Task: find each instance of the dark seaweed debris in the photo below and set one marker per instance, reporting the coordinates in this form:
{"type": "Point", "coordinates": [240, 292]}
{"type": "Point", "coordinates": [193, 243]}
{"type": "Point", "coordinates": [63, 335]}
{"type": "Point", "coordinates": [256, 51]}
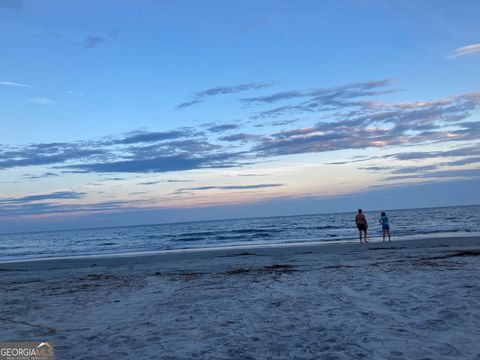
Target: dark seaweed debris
{"type": "Point", "coordinates": [276, 268]}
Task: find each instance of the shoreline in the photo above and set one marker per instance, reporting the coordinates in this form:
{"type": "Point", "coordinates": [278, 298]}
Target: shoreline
{"type": "Point", "coordinates": [264, 249]}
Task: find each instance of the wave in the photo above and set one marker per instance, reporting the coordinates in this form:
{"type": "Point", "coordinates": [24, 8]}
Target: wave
{"type": "Point", "coordinates": [231, 237]}
{"type": "Point", "coordinates": [191, 238]}
{"type": "Point", "coordinates": [199, 233]}
{"type": "Point", "coordinates": [257, 235]}
{"type": "Point", "coordinates": [326, 227]}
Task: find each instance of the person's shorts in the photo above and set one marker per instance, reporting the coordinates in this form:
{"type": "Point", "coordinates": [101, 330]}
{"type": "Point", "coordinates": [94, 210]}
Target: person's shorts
{"type": "Point", "coordinates": [362, 227]}
{"type": "Point", "coordinates": [385, 227]}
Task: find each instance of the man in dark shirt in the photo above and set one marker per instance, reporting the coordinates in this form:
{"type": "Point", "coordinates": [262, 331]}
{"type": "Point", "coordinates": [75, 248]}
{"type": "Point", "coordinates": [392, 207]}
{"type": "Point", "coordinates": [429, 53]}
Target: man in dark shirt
{"type": "Point", "coordinates": [362, 225]}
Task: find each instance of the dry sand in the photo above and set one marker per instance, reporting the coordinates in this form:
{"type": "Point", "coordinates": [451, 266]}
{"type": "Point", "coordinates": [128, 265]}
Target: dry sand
{"type": "Point", "coordinates": [416, 299]}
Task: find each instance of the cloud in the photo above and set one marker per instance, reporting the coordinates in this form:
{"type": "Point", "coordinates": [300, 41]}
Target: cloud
{"type": "Point", "coordinates": [115, 179]}
{"type": "Point", "coordinates": [287, 95]}
{"type": "Point", "coordinates": [277, 123]}
{"type": "Point", "coordinates": [325, 99]}
{"type": "Point", "coordinates": [467, 161]}
{"type": "Point", "coordinates": [165, 164]}
{"type": "Point", "coordinates": [41, 176]}
{"type": "Point", "coordinates": [223, 127]}
{"type": "Point", "coordinates": [401, 169]}
{"type": "Point", "coordinates": [460, 152]}
{"type": "Point", "coordinates": [9, 210]}
{"type": "Point", "coordinates": [189, 103]}
{"type": "Point", "coordinates": [163, 181]}
{"type": "Point", "coordinates": [232, 187]}
{"type": "Point", "coordinates": [252, 175]}
{"type": "Point", "coordinates": [430, 171]}
{"type": "Point", "coordinates": [59, 195]}
{"type": "Point", "coordinates": [184, 149]}
{"type": "Point", "coordinates": [16, 5]}
{"type": "Point", "coordinates": [139, 137]}
{"type": "Point", "coordinates": [397, 124]}
{"type": "Point", "coordinates": [222, 90]}
{"type": "Point", "coordinates": [454, 173]}
{"type": "Point", "coordinates": [465, 50]}
{"type": "Point", "coordinates": [256, 24]}
{"type": "Point", "coordinates": [93, 41]}
{"type": "Point", "coordinates": [142, 150]}
{"type": "Point", "coordinates": [155, 165]}
{"type": "Point", "coordinates": [371, 168]}
{"type": "Point", "coordinates": [15, 84]}
{"type": "Point", "coordinates": [149, 183]}
{"type": "Point", "coordinates": [414, 169]}
{"type": "Point", "coordinates": [136, 152]}
{"type": "Point", "coordinates": [240, 137]}
{"type": "Point", "coordinates": [49, 154]}
{"type": "Point", "coordinates": [41, 101]}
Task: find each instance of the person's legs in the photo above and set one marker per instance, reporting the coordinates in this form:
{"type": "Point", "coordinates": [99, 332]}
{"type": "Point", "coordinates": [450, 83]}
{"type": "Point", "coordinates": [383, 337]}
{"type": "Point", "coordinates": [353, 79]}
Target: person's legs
{"type": "Point", "coordinates": [365, 236]}
{"type": "Point", "coordinates": [388, 232]}
{"type": "Point", "coordinates": [384, 231]}
{"type": "Point", "coordinates": [360, 234]}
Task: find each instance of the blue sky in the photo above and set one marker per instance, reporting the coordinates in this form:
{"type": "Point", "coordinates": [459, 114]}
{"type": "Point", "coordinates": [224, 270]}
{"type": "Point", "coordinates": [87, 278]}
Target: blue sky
{"type": "Point", "coordinates": [152, 111]}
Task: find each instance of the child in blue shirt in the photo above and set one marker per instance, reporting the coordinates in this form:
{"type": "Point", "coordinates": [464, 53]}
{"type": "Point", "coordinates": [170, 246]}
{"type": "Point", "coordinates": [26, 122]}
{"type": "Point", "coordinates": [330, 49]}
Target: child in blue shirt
{"type": "Point", "coordinates": [385, 226]}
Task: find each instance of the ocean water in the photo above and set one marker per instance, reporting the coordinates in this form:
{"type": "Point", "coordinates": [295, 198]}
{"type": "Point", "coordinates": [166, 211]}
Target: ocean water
{"type": "Point", "coordinates": [405, 224]}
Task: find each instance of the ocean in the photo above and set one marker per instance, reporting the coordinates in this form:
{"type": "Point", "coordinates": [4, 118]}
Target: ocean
{"type": "Point", "coordinates": [323, 228]}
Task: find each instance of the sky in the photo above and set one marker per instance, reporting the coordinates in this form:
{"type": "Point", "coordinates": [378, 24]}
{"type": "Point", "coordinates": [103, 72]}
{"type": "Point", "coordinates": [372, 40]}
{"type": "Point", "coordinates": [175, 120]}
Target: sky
{"type": "Point", "coordinates": [141, 111]}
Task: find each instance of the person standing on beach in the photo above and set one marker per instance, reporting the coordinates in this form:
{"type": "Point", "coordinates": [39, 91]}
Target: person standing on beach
{"type": "Point", "coordinates": [385, 226]}
{"type": "Point", "coordinates": [362, 225]}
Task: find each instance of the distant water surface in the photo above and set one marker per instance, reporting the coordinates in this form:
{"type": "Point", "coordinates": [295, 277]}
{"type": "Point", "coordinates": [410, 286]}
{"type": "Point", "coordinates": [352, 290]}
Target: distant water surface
{"type": "Point", "coordinates": [447, 221]}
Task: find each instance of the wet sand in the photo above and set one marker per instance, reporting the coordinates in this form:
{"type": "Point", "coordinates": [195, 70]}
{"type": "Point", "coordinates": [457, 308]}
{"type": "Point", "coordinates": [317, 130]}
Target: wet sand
{"type": "Point", "coordinates": [411, 299]}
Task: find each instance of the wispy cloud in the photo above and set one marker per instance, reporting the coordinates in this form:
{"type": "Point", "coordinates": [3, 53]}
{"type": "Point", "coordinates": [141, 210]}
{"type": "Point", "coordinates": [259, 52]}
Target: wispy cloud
{"type": "Point", "coordinates": [15, 84]}
{"type": "Point", "coordinates": [222, 90]}
{"type": "Point", "coordinates": [93, 41]}
{"type": "Point", "coordinates": [443, 168]}
{"type": "Point", "coordinates": [156, 164]}
{"type": "Point", "coordinates": [40, 176]}
{"type": "Point", "coordinates": [145, 136]}
{"type": "Point", "coordinates": [278, 123]}
{"type": "Point", "coordinates": [114, 179]}
{"type": "Point", "coordinates": [41, 101]}
{"type": "Point", "coordinates": [223, 127]}
{"type": "Point", "coordinates": [50, 154]}
{"type": "Point", "coordinates": [163, 181]}
{"type": "Point", "coordinates": [321, 100]}
{"type": "Point", "coordinates": [54, 208]}
{"type": "Point", "coordinates": [449, 173]}
{"type": "Point", "coordinates": [232, 187]}
{"type": "Point", "coordinates": [241, 137]}
{"type": "Point", "coordinates": [460, 152]}
{"type": "Point", "coordinates": [59, 195]}
{"type": "Point", "coordinates": [178, 181]}
{"type": "Point", "coordinates": [256, 24]}
{"type": "Point", "coordinates": [252, 175]}
{"type": "Point", "coordinates": [149, 183]}
{"type": "Point", "coordinates": [465, 50]}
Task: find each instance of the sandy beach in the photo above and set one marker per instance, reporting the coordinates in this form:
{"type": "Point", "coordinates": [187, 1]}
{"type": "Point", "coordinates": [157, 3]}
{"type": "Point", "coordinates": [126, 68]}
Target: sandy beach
{"type": "Point", "coordinates": [416, 299]}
